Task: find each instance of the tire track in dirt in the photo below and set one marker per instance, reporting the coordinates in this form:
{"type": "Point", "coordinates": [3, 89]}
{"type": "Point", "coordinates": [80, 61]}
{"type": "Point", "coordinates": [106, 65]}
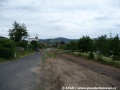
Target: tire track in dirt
{"type": "Point", "coordinates": [67, 71]}
{"type": "Point", "coordinates": [96, 67]}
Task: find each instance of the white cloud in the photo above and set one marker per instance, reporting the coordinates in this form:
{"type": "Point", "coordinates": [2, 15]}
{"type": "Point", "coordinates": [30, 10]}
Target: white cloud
{"type": "Point", "coordinates": [61, 18]}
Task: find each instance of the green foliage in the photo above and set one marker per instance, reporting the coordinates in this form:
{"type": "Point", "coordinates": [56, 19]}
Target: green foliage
{"type": "Point", "coordinates": [48, 54]}
{"type": "Point", "coordinates": [23, 53]}
{"type": "Point", "coordinates": [7, 48]}
{"type": "Point", "coordinates": [40, 45]}
{"type": "Point", "coordinates": [108, 47]}
{"type": "Point", "coordinates": [85, 44]}
{"type": "Point", "coordinates": [65, 47]}
{"type": "Point", "coordinates": [91, 55]}
{"type": "Point", "coordinates": [23, 44]}
{"type": "Point", "coordinates": [102, 45]}
{"type": "Point", "coordinates": [34, 45]}
{"type": "Point", "coordinates": [73, 46]}
{"type": "Point", "coordinates": [115, 48]}
{"type": "Point", "coordinates": [18, 32]}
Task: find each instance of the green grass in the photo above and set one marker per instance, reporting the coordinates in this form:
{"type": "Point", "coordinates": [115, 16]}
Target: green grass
{"type": "Point", "coordinates": [48, 54]}
{"type": "Point", "coordinates": [108, 61]}
{"type": "Point", "coordinates": [104, 60]}
{"type": "Point", "coordinates": [19, 54]}
{"type": "Point", "coordinates": [3, 60]}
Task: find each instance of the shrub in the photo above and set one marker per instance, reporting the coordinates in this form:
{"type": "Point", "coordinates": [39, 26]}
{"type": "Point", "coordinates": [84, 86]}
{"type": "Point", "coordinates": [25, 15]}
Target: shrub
{"type": "Point", "coordinates": [7, 48]}
{"type": "Point", "coordinates": [91, 55]}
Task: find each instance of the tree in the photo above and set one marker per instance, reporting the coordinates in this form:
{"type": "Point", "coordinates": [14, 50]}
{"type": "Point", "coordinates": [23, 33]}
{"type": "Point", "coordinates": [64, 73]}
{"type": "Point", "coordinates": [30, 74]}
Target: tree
{"type": "Point", "coordinates": [85, 44]}
{"type": "Point", "coordinates": [115, 48]}
{"type": "Point", "coordinates": [73, 46]}
{"type": "Point", "coordinates": [40, 45]}
{"type": "Point", "coordinates": [18, 32]}
{"type": "Point", "coordinates": [66, 46]}
{"type": "Point", "coordinates": [7, 48]}
{"type": "Point", "coordinates": [34, 44]}
{"type": "Point", "coordinates": [102, 46]}
{"type": "Point", "coordinates": [23, 43]}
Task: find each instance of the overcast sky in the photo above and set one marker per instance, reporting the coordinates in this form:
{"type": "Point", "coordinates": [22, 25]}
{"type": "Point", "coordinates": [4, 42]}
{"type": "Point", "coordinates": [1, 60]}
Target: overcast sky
{"type": "Point", "coordinates": [61, 18]}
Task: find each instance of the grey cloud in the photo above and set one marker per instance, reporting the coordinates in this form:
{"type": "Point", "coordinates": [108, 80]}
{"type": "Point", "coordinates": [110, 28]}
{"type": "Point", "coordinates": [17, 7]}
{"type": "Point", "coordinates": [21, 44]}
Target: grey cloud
{"type": "Point", "coordinates": [117, 25]}
{"type": "Point", "coordinates": [102, 18]}
{"type": "Point", "coordinates": [115, 3]}
{"type": "Point", "coordinates": [54, 21]}
{"type": "Point", "coordinates": [26, 8]}
{"type": "Point", "coordinates": [3, 1]}
{"type": "Point", "coordinates": [68, 18]}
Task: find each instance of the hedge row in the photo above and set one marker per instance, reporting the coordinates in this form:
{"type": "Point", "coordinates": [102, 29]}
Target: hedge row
{"type": "Point", "coordinates": [7, 48]}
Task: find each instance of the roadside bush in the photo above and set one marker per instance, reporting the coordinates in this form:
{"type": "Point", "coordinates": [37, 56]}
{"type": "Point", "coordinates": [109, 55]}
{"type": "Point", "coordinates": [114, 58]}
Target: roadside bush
{"type": "Point", "coordinates": [6, 53]}
{"type": "Point", "coordinates": [91, 55]}
{"type": "Point", "coordinates": [22, 44]}
{"type": "Point", "coordinates": [7, 48]}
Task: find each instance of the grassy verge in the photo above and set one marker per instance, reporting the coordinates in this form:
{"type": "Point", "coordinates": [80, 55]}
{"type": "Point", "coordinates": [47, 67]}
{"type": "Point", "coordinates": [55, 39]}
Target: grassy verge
{"type": "Point", "coordinates": [3, 60]}
{"type": "Point", "coordinates": [104, 60]}
{"type": "Point", "coordinates": [19, 54]}
{"type": "Point", "coordinates": [48, 54]}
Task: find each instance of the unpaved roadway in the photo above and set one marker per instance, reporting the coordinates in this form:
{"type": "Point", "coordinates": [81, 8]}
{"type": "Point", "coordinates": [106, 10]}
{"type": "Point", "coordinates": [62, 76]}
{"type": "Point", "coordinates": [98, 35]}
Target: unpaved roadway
{"type": "Point", "coordinates": [22, 74]}
{"type": "Point", "coordinates": [69, 71]}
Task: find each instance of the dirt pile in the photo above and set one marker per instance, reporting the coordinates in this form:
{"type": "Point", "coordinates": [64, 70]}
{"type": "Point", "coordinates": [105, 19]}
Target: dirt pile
{"type": "Point", "coordinates": [59, 73]}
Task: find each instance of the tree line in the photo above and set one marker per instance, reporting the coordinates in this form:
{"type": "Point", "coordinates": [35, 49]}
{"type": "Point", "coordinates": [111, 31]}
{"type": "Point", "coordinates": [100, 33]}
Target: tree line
{"type": "Point", "coordinates": [102, 46]}
{"type": "Point", "coordinates": [17, 38]}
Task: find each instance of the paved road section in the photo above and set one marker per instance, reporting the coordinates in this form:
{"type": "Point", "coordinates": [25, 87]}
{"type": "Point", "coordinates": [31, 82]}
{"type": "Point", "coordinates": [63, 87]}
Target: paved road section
{"type": "Point", "coordinates": [22, 74]}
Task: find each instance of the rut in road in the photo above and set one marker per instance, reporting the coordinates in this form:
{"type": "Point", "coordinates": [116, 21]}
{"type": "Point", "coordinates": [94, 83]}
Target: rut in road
{"type": "Point", "coordinates": [61, 71]}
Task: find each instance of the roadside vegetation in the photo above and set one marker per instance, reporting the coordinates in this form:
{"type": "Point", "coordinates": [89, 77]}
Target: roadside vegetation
{"type": "Point", "coordinates": [103, 49]}
{"type": "Point", "coordinates": [19, 54]}
{"type": "Point", "coordinates": [16, 46]}
{"type": "Point", "coordinates": [48, 54]}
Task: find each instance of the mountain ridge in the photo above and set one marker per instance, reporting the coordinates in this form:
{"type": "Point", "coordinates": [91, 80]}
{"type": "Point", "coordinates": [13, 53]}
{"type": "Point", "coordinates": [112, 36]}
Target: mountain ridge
{"type": "Point", "coordinates": [58, 39]}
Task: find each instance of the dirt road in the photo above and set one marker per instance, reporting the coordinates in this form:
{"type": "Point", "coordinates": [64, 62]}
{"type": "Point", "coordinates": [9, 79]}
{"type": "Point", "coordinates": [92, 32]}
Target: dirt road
{"type": "Point", "coordinates": [69, 71]}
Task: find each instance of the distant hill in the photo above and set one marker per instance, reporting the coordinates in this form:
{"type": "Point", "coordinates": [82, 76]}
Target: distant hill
{"type": "Point", "coordinates": [59, 39]}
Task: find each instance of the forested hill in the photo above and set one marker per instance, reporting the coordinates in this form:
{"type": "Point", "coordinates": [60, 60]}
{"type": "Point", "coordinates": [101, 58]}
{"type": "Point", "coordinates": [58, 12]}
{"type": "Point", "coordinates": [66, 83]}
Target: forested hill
{"type": "Point", "coordinates": [59, 39]}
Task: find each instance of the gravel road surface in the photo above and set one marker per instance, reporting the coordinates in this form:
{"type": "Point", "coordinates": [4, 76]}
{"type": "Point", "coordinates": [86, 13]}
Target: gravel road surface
{"type": "Point", "coordinates": [22, 74]}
